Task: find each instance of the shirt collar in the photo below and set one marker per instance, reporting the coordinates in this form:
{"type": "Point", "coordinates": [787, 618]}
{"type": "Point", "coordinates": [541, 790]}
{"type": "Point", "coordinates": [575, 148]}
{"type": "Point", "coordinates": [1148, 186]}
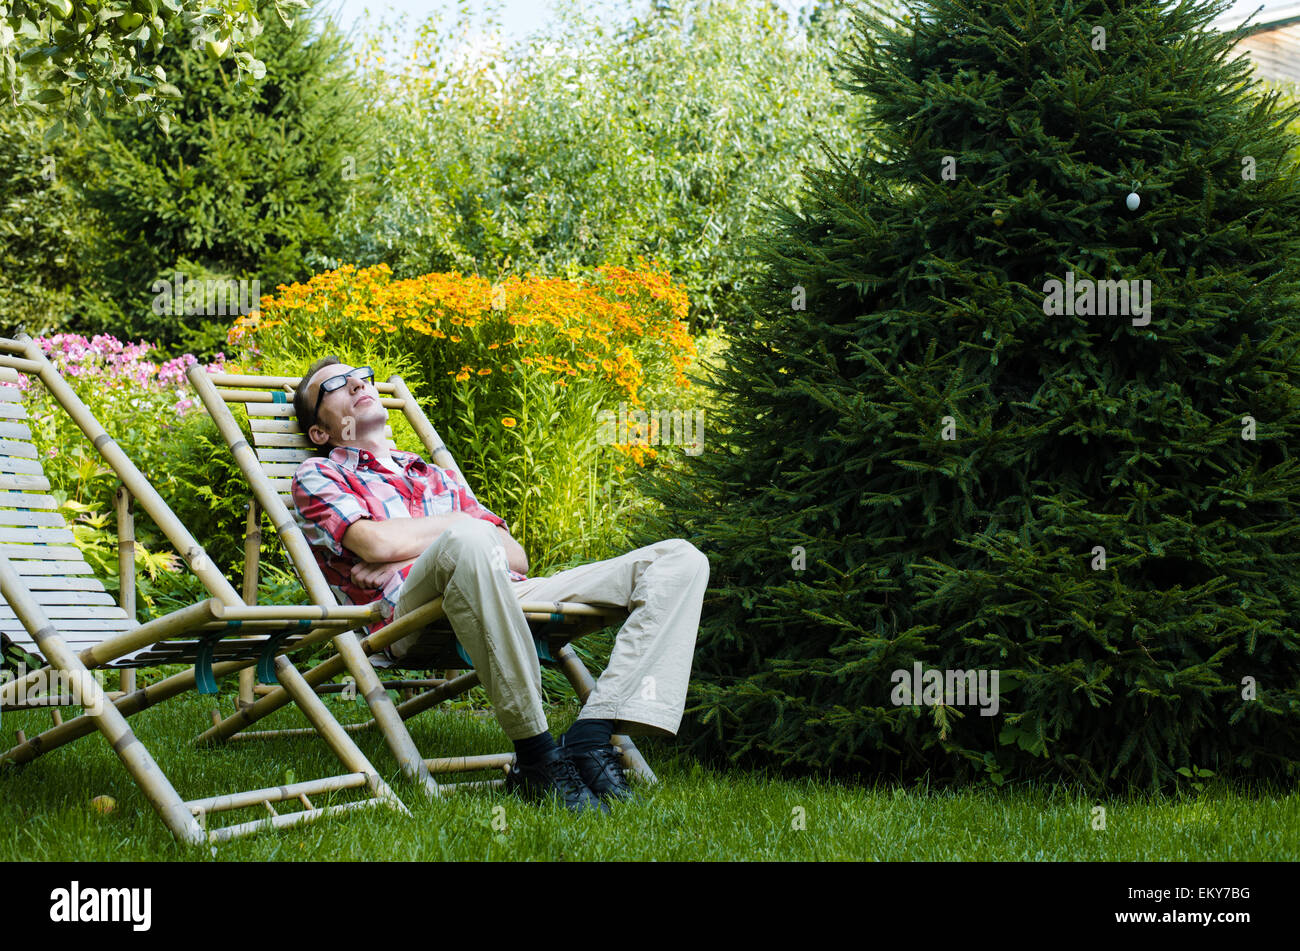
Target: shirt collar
{"type": "Point", "coordinates": [350, 457]}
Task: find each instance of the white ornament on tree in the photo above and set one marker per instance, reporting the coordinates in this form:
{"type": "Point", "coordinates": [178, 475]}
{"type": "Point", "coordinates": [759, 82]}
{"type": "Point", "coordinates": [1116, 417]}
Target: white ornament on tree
{"type": "Point", "coordinates": [1132, 201]}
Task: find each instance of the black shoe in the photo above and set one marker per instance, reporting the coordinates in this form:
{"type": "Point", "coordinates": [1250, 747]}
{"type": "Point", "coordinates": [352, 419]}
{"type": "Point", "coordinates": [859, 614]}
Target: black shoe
{"type": "Point", "coordinates": [553, 775]}
{"type": "Point", "coordinates": [602, 770]}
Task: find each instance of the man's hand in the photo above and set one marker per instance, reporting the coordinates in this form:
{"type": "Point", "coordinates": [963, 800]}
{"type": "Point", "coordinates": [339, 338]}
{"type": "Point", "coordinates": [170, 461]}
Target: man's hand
{"type": "Point", "coordinates": [370, 574]}
{"type": "Point", "coordinates": [516, 560]}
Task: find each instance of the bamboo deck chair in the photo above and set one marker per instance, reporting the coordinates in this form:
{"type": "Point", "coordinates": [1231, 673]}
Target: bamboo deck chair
{"type": "Point", "coordinates": [279, 449]}
{"type": "Point", "coordinates": [56, 610]}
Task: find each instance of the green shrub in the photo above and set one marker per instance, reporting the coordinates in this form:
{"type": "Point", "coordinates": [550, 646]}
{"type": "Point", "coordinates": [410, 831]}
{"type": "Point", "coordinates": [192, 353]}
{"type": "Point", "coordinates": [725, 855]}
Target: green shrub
{"type": "Point", "coordinates": [48, 273]}
{"type": "Point", "coordinates": [243, 187]}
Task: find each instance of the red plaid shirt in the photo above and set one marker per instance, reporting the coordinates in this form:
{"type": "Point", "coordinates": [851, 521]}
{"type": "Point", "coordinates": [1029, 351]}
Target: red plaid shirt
{"type": "Point", "coordinates": [332, 493]}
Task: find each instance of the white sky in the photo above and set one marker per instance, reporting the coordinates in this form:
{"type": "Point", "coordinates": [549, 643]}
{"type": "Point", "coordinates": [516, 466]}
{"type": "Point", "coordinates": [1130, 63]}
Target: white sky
{"type": "Point", "coordinates": [519, 17]}
{"type": "Point", "coordinates": [1243, 8]}
{"type": "Point", "coordinates": [522, 17]}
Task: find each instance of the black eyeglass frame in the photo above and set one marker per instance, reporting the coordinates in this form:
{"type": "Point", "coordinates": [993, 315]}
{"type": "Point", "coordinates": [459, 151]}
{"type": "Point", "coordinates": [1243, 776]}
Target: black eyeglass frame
{"type": "Point", "coordinates": [337, 382]}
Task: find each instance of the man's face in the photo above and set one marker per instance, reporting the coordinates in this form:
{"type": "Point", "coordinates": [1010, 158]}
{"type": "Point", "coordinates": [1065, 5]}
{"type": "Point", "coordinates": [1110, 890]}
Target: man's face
{"type": "Point", "coordinates": [345, 411]}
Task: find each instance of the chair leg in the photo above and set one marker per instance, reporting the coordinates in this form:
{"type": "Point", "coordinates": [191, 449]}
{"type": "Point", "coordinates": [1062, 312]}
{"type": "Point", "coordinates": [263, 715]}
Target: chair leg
{"type": "Point", "coordinates": [334, 735]}
{"type": "Point", "coordinates": [583, 684]}
{"type": "Point", "coordinates": [268, 704]}
{"type": "Point", "coordinates": [382, 708]}
{"type": "Point", "coordinates": [431, 698]}
{"type": "Point", "coordinates": [351, 657]}
{"type": "Point", "coordinates": [107, 718]}
{"type": "Point", "coordinates": [247, 681]}
{"type": "Point", "coordinates": [129, 705]}
{"type": "Point", "coordinates": [140, 764]}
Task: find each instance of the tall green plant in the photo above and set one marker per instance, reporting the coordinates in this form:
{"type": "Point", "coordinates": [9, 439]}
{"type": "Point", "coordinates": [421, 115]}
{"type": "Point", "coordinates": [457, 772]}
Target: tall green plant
{"type": "Point", "coordinates": [515, 377]}
{"type": "Point", "coordinates": [593, 145]}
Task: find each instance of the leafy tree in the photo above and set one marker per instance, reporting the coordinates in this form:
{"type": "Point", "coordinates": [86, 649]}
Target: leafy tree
{"type": "Point", "coordinates": [926, 457]}
{"type": "Point", "coordinates": [89, 57]}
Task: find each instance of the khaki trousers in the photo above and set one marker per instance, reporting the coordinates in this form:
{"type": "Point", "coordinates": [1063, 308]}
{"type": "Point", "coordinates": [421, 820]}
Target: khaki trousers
{"type": "Point", "coordinates": [643, 689]}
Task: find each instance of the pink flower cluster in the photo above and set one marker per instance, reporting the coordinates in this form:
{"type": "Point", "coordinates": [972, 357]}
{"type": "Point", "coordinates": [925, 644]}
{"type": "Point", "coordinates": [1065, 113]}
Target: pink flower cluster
{"type": "Point", "coordinates": [115, 365]}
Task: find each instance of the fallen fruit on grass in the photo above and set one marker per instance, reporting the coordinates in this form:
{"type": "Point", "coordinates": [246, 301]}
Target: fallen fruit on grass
{"type": "Point", "coordinates": [103, 804]}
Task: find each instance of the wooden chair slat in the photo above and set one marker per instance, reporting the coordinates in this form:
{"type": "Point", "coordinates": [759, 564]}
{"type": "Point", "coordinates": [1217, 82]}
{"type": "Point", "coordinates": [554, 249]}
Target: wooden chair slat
{"type": "Point", "coordinates": [78, 641]}
{"type": "Point", "coordinates": [41, 583]}
{"type": "Point", "coordinates": [270, 409]}
{"type": "Point", "coordinates": [55, 612]}
{"type": "Point", "coordinates": [277, 425]}
{"type": "Point", "coordinates": [31, 517]}
{"type": "Point", "coordinates": [260, 398]}
{"type": "Point", "coordinates": [109, 625]}
{"type": "Point", "coordinates": [12, 411]}
{"type": "Point", "coordinates": [15, 431]}
{"type": "Point", "coordinates": [53, 553]}
{"type": "Point", "coordinates": [26, 466]}
{"type": "Point", "coordinates": [284, 455]}
{"type": "Point", "coordinates": [258, 383]}
{"type": "Point", "coordinates": [23, 483]}
{"type": "Point", "coordinates": [280, 439]}
{"type": "Point", "coordinates": [224, 649]}
{"type": "Point", "coordinates": [37, 536]}
{"type": "Point", "coordinates": [273, 469]}
{"type": "Point", "coordinates": [17, 448]}
{"type": "Point", "coordinates": [68, 565]}
{"type": "Point", "coordinates": [74, 597]}
{"type": "Point", "coordinates": [20, 500]}
{"type": "Point", "coordinates": [10, 393]}
{"type": "Point", "coordinates": [289, 425]}
{"type": "Point", "coordinates": [293, 441]}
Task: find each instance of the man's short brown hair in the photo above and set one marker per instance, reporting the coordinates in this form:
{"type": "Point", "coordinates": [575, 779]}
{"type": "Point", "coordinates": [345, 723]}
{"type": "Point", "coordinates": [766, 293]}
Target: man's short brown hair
{"type": "Point", "coordinates": [300, 407]}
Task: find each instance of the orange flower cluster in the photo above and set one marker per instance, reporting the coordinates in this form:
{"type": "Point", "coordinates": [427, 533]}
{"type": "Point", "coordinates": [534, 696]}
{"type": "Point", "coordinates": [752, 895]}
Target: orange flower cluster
{"type": "Point", "coordinates": [622, 328]}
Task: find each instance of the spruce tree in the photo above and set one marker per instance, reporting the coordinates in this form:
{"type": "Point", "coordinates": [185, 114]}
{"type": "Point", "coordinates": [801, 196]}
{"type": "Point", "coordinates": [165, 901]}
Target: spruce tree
{"type": "Point", "coordinates": [242, 187]}
{"type": "Point", "coordinates": [926, 453]}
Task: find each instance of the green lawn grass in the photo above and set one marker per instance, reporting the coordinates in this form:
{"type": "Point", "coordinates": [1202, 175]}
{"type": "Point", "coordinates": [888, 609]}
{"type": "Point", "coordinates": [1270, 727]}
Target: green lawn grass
{"type": "Point", "coordinates": [695, 813]}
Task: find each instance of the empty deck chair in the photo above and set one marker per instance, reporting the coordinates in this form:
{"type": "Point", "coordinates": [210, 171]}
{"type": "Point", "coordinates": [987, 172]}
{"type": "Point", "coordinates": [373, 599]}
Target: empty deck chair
{"type": "Point", "coordinates": [278, 449]}
{"type": "Point", "coordinates": [55, 609]}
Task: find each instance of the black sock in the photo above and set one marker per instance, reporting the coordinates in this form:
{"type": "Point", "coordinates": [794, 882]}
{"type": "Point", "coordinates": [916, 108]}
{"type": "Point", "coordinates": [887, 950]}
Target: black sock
{"type": "Point", "coordinates": [587, 735]}
{"type": "Point", "coordinates": [534, 748]}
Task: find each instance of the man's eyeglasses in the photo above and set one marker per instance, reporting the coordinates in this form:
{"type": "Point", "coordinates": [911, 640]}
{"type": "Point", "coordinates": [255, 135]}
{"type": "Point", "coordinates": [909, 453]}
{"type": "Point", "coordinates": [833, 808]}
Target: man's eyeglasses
{"type": "Point", "coordinates": [364, 374]}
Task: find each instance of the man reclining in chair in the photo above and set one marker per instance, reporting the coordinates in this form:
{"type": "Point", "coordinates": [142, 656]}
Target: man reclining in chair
{"type": "Point", "coordinates": [387, 525]}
